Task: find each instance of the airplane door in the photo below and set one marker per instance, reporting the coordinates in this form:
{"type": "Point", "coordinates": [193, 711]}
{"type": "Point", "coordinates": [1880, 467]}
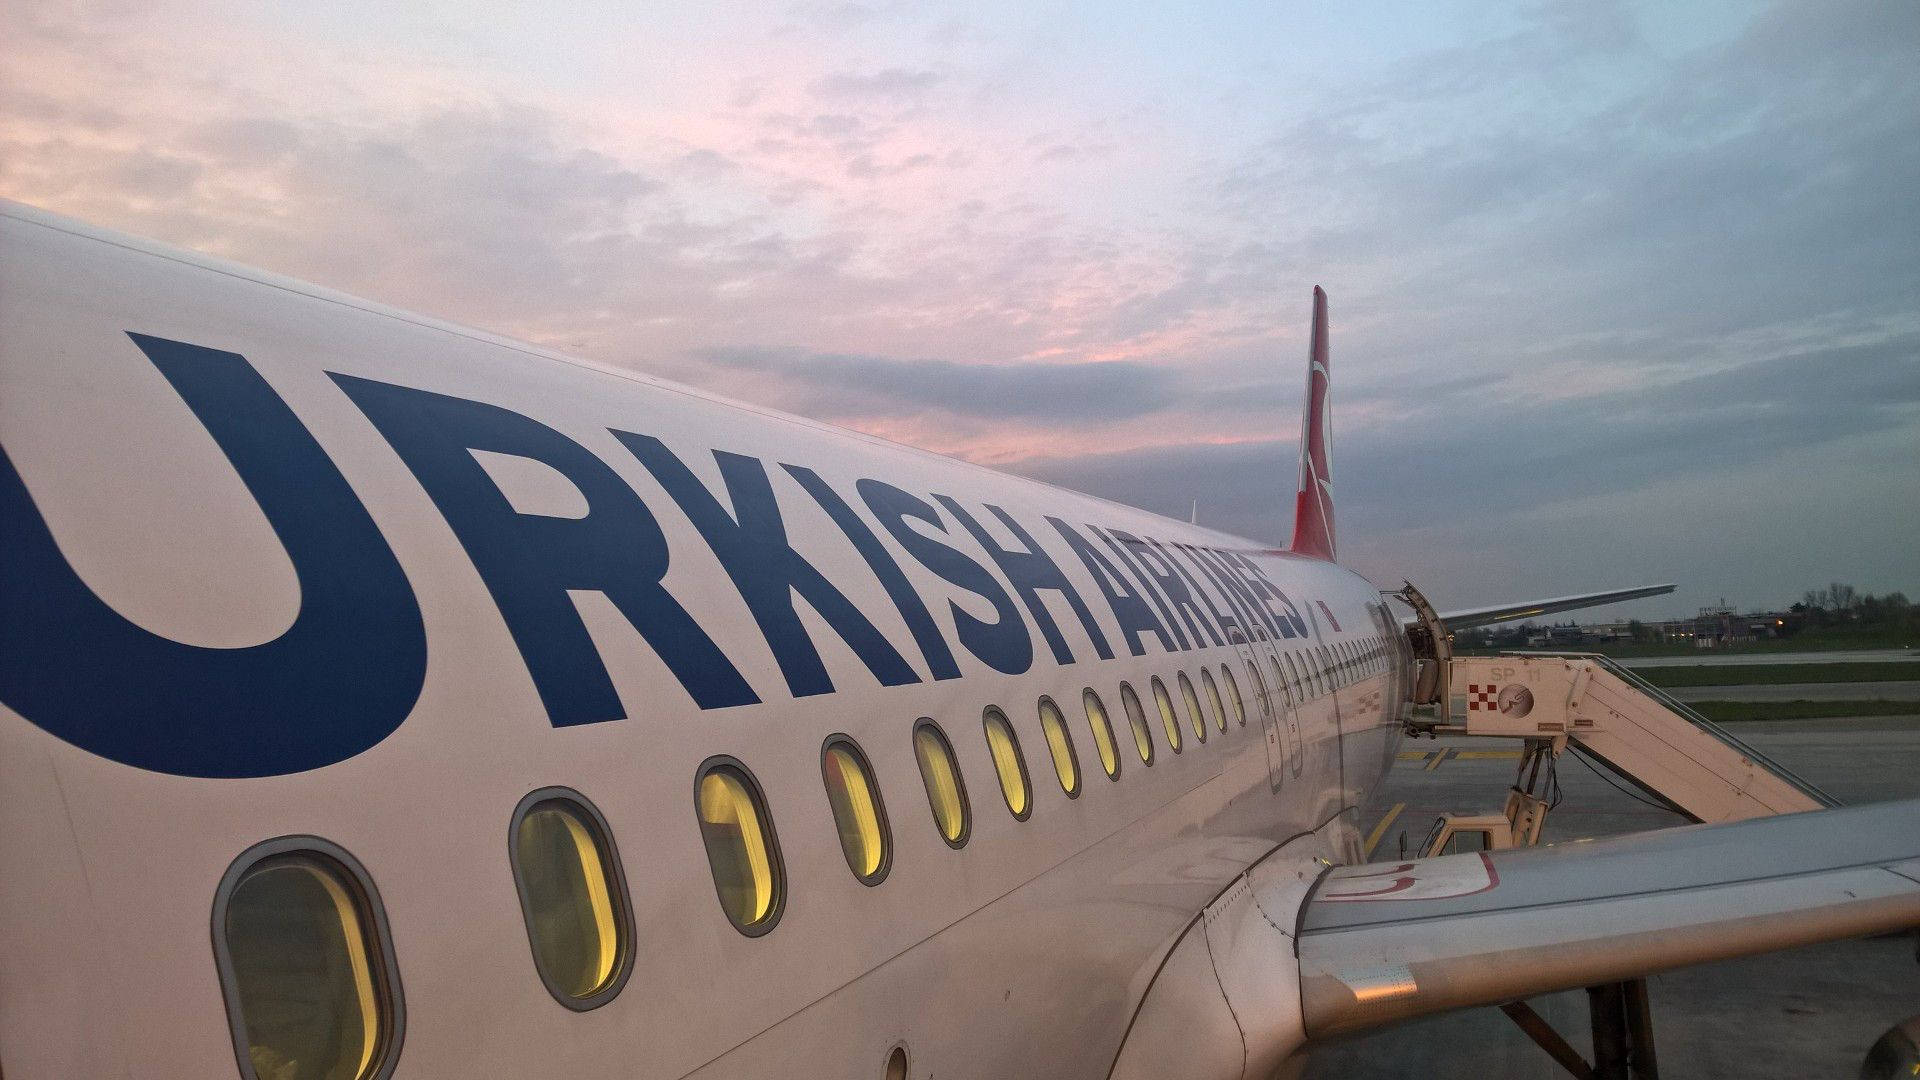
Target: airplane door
{"type": "Point", "coordinates": [1289, 710]}
{"type": "Point", "coordinates": [1268, 708]}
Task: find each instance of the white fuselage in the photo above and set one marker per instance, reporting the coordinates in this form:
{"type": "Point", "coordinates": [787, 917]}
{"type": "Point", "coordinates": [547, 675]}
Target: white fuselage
{"type": "Point", "coordinates": [508, 486]}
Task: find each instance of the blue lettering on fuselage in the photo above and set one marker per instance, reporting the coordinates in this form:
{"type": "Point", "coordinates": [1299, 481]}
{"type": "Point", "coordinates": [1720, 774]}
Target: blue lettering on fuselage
{"type": "Point", "coordinates": [752, 547]}
{"type": "Point", "coordinates": [338, 681]}
{"type": "Point", "coordinates": [350, 668]}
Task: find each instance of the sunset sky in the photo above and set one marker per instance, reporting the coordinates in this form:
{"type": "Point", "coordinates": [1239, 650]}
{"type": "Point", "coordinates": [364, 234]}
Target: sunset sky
{"type": "Point", "coordinates": [1621, 292]}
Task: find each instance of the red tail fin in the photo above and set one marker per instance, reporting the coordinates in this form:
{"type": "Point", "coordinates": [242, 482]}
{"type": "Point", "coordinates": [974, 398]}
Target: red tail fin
{"type": "Point", "coordinates": [1313, 506]}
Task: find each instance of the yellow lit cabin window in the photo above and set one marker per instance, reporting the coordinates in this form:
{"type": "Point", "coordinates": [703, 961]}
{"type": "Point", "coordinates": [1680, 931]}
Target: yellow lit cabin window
{"type": "Point", "coordinates": [1137, 720]}
{"type": "Point", "coordinates": [1168, 721]}
{"type": "Point", "coordinates": [1066, 764]}
{"type": "Point", "coordinates": [740, 847]}
{"type": "Point", "coordinates": [946, 792]}
{"type": "Point", "coordinates": [1213, 699]}
{"type": "Point", "coordinates": [1008, 763]}
{"type": "Point", "coordinates": [572, 897]}
{"type": "Point", "coordinates": [1193, 707]}
{"type": "Point", "coordinates": [306, 967]}
{"type": "Point", "coordinates": [1102, 728]}
{"type": "Point", "coordinates": [1234, 699]}
{"type": "Point", "coordinates": [857, 811]}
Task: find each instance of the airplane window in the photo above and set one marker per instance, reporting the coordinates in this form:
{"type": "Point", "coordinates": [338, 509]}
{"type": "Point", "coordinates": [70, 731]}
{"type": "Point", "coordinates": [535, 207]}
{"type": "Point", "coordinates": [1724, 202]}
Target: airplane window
{"type": "Point", "coordinates": [1102, 733]}
{"type": "Point", "coordinates": [1137, 720]}
{"type": "Point", "coordinates": [1193, 707]}
{"type": "Point", "coordinates": [897, 1064]}
{"type": "Point", "coordinates": [1066, 765]}
{"type": "Point", "coordinates": [946, 791]}
{"type": "Point", "coordinates": [1233, 695]}
{"type": "Point", "coordinates": [572, 896]}
{"type": "Point", "coordinates": [1008, 762]}
{"type": "Point", "coordinates": [305, 965]}
{"type": "Point", "coordinates": [1325, 670]}
{"type": "Point", "coordinates": [1168, 722]}
{"type": "Point", "coordinates": [740, 847]}
{"type": "Point", "coordinates": [1213, 699]}
{"type": "Point", "coordinates": [1298, 680]}
{"type": "Point", "coordinates": [857, 811]}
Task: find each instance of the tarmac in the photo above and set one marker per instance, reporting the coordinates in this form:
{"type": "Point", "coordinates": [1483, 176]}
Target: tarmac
{"type": "Point", "coordinates": [1810, 1012]}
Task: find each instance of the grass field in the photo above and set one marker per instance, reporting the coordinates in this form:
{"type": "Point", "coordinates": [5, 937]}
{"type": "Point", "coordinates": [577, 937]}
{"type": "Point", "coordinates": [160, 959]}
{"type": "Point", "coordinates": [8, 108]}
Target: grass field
{"type": "Point", "coordinates": [1771, 674]}
{"type": "Point", "coordinates": [1827, 640]}
{"type": "Point", "coordinates": [1726, 711]}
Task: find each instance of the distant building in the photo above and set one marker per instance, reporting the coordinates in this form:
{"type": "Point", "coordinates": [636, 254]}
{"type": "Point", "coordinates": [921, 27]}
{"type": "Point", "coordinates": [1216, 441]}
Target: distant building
{"type": "Point", "coordinates": [1720, 625]}
{"type": "Point", "coordinates": [1712, 627]}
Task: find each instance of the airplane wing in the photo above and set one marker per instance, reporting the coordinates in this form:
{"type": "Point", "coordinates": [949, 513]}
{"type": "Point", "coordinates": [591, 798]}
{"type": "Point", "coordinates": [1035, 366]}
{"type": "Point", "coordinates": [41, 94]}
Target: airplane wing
{"type": "Point", "coordinates": [1385, 942]}
{"type": "Point", "coordinates": [1484, 616]}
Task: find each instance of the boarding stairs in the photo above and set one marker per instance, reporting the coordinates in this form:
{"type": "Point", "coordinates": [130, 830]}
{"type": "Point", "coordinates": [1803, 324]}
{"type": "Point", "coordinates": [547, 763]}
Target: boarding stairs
{"type": "Point", "coordinates": [1603, 711]}
{"type": "Point", "coordinates": [1587, 703]}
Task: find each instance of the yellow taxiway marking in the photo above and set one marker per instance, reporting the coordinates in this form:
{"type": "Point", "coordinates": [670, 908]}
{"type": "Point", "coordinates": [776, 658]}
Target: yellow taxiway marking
{"type": "Point", "coordinates": [1485, 755]}
{"type": "Point", "coordinates": [1412, 755]}
{"type": "Point", "coordinates": [1440, 757]}
{"type": "Point", "coordinates": [1380, 830]}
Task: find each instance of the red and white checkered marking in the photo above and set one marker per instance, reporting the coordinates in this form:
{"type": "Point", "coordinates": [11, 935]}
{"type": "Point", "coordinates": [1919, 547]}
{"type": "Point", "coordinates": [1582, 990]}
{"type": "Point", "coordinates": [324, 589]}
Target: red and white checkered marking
{"type": "Point", "coordinates": [1482, 697]}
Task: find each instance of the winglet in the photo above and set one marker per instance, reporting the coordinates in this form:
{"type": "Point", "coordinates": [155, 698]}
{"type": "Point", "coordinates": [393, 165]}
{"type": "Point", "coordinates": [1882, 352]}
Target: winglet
{"type": "Point", "coordinates": [1313, 505]}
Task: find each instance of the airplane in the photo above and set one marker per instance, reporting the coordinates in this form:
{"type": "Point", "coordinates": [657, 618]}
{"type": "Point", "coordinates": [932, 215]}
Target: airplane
{"type": "Point", "coordinates": [380, 697]}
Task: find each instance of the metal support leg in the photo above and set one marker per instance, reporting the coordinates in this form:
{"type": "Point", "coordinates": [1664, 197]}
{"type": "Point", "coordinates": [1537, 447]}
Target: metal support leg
{"type": "Point", "coordinates": [1547, 1039]}
{"type": "Point", "coordinates": [1622, 1031]}
{"type": "Point", "coordinates": [1640, 1030]}
{"type": "Point", "coordinates": [1608, 1006]}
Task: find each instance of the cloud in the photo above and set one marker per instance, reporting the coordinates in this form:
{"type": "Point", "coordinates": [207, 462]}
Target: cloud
{"type": "Point", "coordinates": [1471, 448]}
{"type": "Point", "coordinates": [890, 84]}
{"type": "Point", "coordinates": [851, 387]}
{"type": "Point", "coordinates": [1588, 264]}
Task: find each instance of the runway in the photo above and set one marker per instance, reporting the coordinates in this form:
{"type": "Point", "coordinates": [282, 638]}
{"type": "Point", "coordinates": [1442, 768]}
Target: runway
{"type": "Point", "coordinates": [1809, 1012]}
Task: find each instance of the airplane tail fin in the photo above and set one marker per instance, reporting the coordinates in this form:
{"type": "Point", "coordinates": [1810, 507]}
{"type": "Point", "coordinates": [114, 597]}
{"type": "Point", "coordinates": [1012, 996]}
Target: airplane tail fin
{"type": "Point", "coordinates": [1313, 505]}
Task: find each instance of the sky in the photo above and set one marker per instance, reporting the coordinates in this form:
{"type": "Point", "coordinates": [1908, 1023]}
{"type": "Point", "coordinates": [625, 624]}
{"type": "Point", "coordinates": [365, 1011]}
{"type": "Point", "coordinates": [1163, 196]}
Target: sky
{"type": "Point", "coordinates": [1621, 292]}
